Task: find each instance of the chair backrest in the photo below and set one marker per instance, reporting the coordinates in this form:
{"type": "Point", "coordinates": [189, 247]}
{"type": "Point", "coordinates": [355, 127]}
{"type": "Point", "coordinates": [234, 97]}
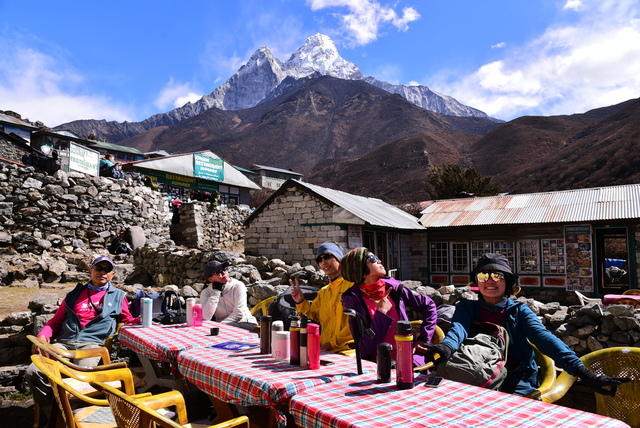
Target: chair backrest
{"type": "Point", "coordinates": [65, 356]}
{"type": "Point", "coordinates": [632, 291]}
{"type": "Point", "coordinates": [130, 412]}
{"type": "Point", "coordinates": [48, 367]}
{"type": "Point", "coordinates": [626, 301]}
{"type": "Point", "coordinates": [547, 371]}
{"type": "Point", "coordinates": [263, 306]}
{"type": "Point", "coordinates": [618, 362]}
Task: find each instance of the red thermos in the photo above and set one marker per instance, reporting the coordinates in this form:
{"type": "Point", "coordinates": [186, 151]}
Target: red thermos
{"type": "Point", "coordinates": [313, 345]}
{"type": "Point", "coordinates": [404, 355]}
{"type": "Point", "coordinates": [294, 341]}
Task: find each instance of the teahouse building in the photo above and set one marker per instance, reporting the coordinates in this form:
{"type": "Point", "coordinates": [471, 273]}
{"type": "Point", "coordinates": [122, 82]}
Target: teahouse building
{"type": "Point", "coordinates": [299, 216]}
{"type": "Point", "coordinates": [583, 239]}
{"type": "Point", "coordinates": [182, 175]}
{"type": "Point", "coordinates": [272, 178]}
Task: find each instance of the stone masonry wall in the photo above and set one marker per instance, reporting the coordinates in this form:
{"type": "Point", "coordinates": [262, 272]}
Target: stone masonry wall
{"type": "Point", "coordinates": [292, 227]}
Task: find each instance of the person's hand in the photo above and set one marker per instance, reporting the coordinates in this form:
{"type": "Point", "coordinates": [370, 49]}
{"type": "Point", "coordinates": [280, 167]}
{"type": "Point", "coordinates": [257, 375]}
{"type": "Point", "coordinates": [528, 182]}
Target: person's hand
{"type": "Point", "coordinates": [296, 291]}
{"type": "Point", "coordinates": [218, 286]}
{"type": "Point", "coordinates": [598, 382]}
{"type": "Point", "coordinates": [429, 351]}
{"type": "Point", "coordinates": [384, 305]}
{"type": "Point", "coordinates": [34, 348]}
{"type": "Point", "coordinates": [326, 347]}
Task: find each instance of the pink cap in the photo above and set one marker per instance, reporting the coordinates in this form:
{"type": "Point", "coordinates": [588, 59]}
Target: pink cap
{"type": "Point", "coordinates": [313, 328]}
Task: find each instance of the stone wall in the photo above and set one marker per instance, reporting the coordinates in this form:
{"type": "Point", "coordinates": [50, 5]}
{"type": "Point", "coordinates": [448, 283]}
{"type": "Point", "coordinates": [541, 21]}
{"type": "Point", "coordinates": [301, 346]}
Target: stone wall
{"type": "Point", "coordinates": [73, 210]}
{"type": "Point", "coordinates": [292, 227]}
{"type": "Point", "coordinates": [204, 227]}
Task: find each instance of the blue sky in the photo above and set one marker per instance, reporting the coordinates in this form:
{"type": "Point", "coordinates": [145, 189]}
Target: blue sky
{"type": "Point", "coordinates": [127, 60]}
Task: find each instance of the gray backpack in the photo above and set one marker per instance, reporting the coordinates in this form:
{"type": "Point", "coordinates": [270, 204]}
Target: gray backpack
{"type": "Point", "coordinates": [481, 359]}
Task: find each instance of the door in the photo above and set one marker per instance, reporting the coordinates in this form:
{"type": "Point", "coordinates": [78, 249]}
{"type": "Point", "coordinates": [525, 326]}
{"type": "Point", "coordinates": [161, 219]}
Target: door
{"type": "Point", "coordinates": [612, 263]}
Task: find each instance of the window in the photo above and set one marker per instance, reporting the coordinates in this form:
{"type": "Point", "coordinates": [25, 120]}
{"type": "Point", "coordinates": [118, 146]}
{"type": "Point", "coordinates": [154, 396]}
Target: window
{"type": "Point", "coordinates": [439, 256]}
{"type": "Point", "coordinates": [552, 256]}
{"type": "Point", "coordinates": [478, 248]}
{"type": "Point", "coordinates": [507, 249]}
{"type": "Point", "coordinates": [528, 257]}
{"type": "Point", "coordinates": [460, 257]}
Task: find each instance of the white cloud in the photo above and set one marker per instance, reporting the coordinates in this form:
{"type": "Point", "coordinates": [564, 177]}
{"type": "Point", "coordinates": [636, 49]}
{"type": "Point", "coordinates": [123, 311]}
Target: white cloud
{"type": "Point", "coordinates": [573, 5]}
{"type": "Point", "coordinates": [498, 45]}
{"type": "Point", "coordinates": [175, 95]}
{"type": "Point", "coordinates": [43, 89]}
{"type": "Point", "coordinates": [365, 18]}
{"type": "Point", "coordinates": [571, 68]}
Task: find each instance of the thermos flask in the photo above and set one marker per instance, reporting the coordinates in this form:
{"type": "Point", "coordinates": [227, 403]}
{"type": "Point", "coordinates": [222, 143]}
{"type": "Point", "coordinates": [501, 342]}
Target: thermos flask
{"type": "Point", "coordinates": [276, 326]}
{"type": "Point", "coordinates": [265, 334]}
{"type": "Point", "coordinates": [313, 345]}
{"type": "Point", "coordinates": [196, 315]}
{"type": "Point", "coordinates": [404, 355]}
{"type": "Point", "coordinates": [384, 362]}
{"type": "Point", "coordinates": [303, 341]}
{"type": "Point", "coordinates": [294, 341]}
{"type": "Point", "coordinates": [147, 311]}
{"type": "Point", "coordinates": [281, 346]}
{"type": "Point", "coordinates": [190, 302]}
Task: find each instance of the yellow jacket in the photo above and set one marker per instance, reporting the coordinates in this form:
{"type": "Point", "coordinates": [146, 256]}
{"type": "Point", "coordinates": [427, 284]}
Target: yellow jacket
{"type": "Point", "coordinates": [327, 309]}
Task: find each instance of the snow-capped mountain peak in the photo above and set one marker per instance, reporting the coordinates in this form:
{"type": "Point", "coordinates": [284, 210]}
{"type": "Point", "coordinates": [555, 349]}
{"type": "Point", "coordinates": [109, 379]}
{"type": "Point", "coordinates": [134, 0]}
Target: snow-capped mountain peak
{"type": "Point", "coordinates": [319, 54]}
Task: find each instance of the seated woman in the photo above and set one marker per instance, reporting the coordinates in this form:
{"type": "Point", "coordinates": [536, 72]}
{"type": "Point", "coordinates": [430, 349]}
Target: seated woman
{"type": "Point", "coordinates": [382, 301]}
{"type": "Point", "coordinates": [495, 281]}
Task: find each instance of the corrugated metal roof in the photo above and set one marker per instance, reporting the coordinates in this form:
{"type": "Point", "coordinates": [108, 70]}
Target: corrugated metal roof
{"type": "Point", "coordinates": [374, 211]}
{"type": "Point", "coordinates": [6, 118]}
{"type": "Point", "coordinates": [274, 169]}
{"type": "Point", "coordinates": [565, 206]}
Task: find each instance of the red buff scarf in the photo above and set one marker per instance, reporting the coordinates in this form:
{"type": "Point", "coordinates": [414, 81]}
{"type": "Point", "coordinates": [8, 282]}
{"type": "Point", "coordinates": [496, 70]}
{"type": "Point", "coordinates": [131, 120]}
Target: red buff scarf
{"type": "Point", "coordinates": [375, 290]}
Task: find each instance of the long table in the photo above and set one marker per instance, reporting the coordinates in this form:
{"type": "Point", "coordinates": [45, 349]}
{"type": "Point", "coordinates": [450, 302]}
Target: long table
{"type": "Point", "coordinates": [250, 379]}
{"type": "Point", "coordinates": [163, 343]}
{"type": "Point", "coordinates": [362, 403]}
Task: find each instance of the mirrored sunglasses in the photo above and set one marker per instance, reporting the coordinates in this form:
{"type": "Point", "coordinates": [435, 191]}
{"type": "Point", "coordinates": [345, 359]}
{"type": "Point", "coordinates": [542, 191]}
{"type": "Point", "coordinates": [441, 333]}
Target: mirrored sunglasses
{"type": "Point", "coordinates": [323, 257]}
{"type": "Point", "coordinates": [372, 258]}
{"type": "Point", "coordinates": [106, 269]}
{"type": "Point", "coordinates": [495, 276]}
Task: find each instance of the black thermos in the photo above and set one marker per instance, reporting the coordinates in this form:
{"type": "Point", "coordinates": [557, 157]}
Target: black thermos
{"type": "Point", "coordinates": [265, 334]}
{"type": "Point", "coordinates": [384, 362]}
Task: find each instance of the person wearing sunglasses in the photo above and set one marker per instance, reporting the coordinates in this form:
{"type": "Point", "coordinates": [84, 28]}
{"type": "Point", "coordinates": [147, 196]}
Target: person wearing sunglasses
{"type": "Point", "coordinates": [87, 316]}
{"type": "Point", "coordinates": [326, 308]}
{"type": "Point", "coordinates": [381, 302]}
{"type": "Point", "coordinates": [224, 299]}
{"type": "Point", "coordinates": [495, 281]}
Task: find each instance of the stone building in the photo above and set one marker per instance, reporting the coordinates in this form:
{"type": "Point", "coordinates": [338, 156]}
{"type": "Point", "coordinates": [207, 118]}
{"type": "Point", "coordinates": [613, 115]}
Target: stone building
{"type": "Point", "coordinates": [299, 216]}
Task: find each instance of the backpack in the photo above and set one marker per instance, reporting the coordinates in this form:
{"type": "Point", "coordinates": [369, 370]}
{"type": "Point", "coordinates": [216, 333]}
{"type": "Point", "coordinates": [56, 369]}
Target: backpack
{"type": "Point", "coordinates": [119, 246]}
{"type": "Point", "coordinates": [172, 311]}
{"type": "Point", "coordinates": [481, 358]}
{"type": "Point", "coordinates": [283, 306]}
{"type": "Point", "coordinates": [135, 307]}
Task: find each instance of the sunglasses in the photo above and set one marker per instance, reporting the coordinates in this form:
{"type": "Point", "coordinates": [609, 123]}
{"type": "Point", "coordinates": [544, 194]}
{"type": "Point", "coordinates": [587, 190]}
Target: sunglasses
{"type": "Point", "coordinates": [106, 269]}
{"type": "Point", "coordinates": [221, 271]}
{"type": "Point", "coordinates": [372, 258]}
{"type": "Point", "coordinates": [323, 257]}
{"type": "Point", "coordinates": [495, 276]}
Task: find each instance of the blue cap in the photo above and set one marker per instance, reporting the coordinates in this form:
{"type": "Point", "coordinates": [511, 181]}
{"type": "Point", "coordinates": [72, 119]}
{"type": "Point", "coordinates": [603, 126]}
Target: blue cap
{"type": "Point", "coordinates": [330, 247]}
{"type": "Point", "coordinates": [100, 259]}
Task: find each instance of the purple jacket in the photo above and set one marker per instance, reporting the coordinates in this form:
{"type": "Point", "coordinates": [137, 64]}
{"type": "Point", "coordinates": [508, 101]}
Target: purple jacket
{"type": "Point", "coordinates": [381, 323]}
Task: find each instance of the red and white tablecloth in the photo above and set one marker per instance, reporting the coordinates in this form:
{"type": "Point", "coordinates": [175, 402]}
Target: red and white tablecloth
{"type": "Point", "coordinates": [164, 342]}
{"type": "Point", "coordinates": [361, 402]}
{"type": "Point", "coordinates": [249, 378]}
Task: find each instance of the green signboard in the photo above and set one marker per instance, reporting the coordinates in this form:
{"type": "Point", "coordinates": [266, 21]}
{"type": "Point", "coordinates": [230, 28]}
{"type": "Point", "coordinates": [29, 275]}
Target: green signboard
{"type": "Point", "coordinates": [208, 168]}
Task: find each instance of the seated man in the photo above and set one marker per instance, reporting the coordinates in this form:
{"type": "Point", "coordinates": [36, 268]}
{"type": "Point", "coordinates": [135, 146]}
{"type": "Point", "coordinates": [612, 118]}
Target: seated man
{"type": "Point", "coordinates": [86, 318]}
{"type": "Point", "coordinates": [326, 308]}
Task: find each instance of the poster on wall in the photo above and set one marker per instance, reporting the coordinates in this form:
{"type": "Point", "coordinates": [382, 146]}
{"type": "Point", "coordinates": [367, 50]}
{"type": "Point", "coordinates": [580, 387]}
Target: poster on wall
{"type": "Point", "coordinates": [579, 257]}
{"type": "Point", "coordinates": [354, 236]}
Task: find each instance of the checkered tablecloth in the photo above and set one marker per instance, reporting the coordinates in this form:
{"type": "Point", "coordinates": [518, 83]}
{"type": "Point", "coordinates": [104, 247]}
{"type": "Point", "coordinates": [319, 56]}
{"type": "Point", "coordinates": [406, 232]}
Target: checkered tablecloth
{"type": "Point", "coordinates": [248, 378]}
{"type": "Point", "coordinates": [165, 342]}
{"type": "Point", "coordinates": [361, 402]}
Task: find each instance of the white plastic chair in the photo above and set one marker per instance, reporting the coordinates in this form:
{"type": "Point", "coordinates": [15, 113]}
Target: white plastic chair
{"type": "Point", "coordinates": [584, 300]}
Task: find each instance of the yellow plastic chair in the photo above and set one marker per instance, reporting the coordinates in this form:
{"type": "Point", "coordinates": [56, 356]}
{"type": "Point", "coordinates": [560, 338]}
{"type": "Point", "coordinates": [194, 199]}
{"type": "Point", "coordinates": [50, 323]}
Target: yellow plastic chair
{"type": "Point", "coordinates": [65, 357]}
{"type": "Point", "coordinates": [626, 301]}
{"type": "Point", "coordinates": [131, 412]}
{"type": "Point", "coordinates": [632, 292]}
{"type": "Point", "coordinates": [613, 362]}
{"type": "Point", "coordinates": [90, 407]}
{"type": "Point", "coordinates": [438, 336]}
{"type": "Point", "coordinates": [262, 307]}
{"type": "Point", "coordinates": [547, 374]}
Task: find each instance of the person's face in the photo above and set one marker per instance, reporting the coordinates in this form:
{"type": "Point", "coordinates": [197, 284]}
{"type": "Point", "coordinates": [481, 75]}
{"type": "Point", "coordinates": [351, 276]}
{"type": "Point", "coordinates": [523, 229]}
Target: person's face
{"type": "Point", "coordinates": [329, 264]}
{"type": "Point", "coordinates": [221, 276]}
{"type": "Point", "coordinates": [101, 273]}
{"type": "Point", "coordinates": [492, 285]}
{"type": "Point", "coordinates": [376, 269]}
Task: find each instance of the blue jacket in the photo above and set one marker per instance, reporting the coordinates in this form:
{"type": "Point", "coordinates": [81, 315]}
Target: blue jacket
{"type": "Point", "coordinates": [523, 327]}
{"type": "Point", "coordinates": [98, 329]}
{"type": "Point", "coordinates": [381, 323]}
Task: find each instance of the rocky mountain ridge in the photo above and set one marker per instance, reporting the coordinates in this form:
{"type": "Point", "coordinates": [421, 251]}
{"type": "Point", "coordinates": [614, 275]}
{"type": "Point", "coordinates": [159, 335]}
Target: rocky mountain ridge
{"type": "Point", "coordinates": [260, 77]}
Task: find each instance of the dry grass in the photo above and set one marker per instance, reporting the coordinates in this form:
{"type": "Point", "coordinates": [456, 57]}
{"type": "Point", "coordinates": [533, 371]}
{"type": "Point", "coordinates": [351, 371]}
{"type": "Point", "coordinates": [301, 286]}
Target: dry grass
{"type": "Point", "coordinates": [16, 299]}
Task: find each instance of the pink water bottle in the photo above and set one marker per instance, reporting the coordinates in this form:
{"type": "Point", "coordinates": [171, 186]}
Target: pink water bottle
{"type": "Point", "coordinates": [313, 345]}
{"type": "Point", "coordinates": [196, 315]}
{"type": "Point", "coordinates": [404, 355]}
